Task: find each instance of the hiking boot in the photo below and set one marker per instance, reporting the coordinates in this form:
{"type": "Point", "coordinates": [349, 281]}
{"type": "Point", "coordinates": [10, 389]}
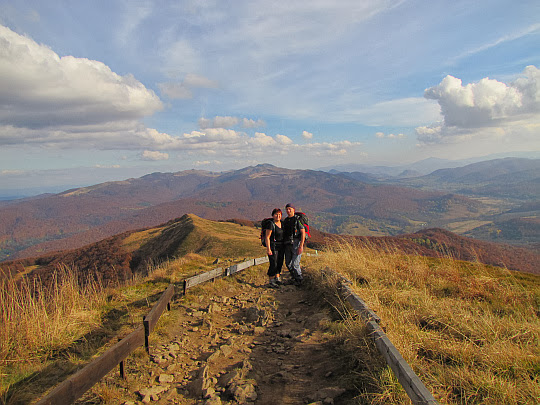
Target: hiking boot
{"type": "Point", "coordinates": [273, 283]}
{"type": "Point", "coordinates": [298, 282]}
{"type": "Point", "coordinates": [278, 280]}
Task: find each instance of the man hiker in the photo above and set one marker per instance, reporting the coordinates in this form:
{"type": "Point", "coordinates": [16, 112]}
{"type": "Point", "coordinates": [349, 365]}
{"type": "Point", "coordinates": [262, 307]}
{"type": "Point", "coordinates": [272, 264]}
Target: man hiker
{"type": "Point", "coordinates": [294, 235]}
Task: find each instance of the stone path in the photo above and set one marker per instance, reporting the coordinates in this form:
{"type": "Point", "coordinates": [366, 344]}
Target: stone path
{"type": "Point", "coordinates": [248, 345]}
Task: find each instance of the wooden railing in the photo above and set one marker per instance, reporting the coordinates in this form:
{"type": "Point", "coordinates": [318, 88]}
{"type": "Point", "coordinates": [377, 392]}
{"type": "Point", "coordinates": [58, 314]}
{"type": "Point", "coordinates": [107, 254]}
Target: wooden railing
{"type": "Point", "coordinates": [411, 383]}
{"type": "Point", "coordinates": [75, 386]}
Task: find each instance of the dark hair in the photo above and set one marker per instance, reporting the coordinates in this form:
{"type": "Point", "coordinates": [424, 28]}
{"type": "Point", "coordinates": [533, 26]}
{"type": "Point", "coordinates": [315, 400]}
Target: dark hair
{"type": "Point", "coordinates": [276, 211]}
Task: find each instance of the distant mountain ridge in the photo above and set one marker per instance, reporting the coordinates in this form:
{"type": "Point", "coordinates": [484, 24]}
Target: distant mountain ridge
{"type": "Point", "coordinates": [424, 166]}
{"type": "Point", "coordinates": [336, 203]}
{"type": "Point", "coordinates": [509, 177]}
{"type": "Point", "coordinates": [81, 216]}
{"type": "Point", "coordinates": [118, 258]}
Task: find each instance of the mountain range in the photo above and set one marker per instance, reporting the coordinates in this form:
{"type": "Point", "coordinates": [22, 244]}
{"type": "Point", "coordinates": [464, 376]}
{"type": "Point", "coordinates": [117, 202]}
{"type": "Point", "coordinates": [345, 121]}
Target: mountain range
{"type": "Point", "coordinates": [335, 202]}
{"type": "Point", "coordinates": [118, 258]}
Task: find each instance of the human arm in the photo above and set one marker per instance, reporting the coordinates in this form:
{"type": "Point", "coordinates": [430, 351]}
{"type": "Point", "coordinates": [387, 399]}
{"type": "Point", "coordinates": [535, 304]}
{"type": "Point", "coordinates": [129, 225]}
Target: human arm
{"type": "Point", "coordinates": [267, 234]}
{"type": "Point", "coordinates": [302, 240]}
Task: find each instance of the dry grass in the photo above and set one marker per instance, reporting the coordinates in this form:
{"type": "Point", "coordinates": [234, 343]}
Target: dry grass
{"type": "Point", "coordinates": [37, 320]}
{"type": "Point", "coordinates": [42, 324]}
{"type": "Point", "coordinates": [470, 331]}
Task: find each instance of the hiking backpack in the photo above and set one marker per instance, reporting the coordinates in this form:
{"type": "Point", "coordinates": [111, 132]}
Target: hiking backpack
{"type": "Point", "coordinates": [303, 219]}
{"type": "Point", "coordinates": [264, 227]}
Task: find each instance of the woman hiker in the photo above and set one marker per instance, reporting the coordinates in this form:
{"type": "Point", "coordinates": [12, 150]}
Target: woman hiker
{"type": "Point", "coordinates": [275, 248]}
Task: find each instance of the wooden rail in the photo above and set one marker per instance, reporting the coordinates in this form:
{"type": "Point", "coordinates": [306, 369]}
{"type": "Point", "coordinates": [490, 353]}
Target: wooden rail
{"type": "Point", "coordinates": [411, 383]}
{"type": "Point", "coordinates": [75, 386]}
{"type": "Point", "coordinates": [150, 320]}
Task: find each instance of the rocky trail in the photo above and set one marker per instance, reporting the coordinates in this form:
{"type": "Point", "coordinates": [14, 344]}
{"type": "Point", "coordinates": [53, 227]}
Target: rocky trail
{"type": "Point", "coordinates": [237, 341]}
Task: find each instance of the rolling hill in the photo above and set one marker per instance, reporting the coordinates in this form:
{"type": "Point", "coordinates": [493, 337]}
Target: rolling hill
{"type": "Point", "coordinates": [514, 178]}
{"type": "Point", "coordinates": [334, 202]}
{"type": "Point", "coordinates": [118, 258]}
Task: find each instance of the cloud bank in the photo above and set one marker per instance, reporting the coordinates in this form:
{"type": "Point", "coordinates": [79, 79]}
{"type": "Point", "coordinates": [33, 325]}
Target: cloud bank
{"type": "Point", "coordinates": [40, 90]}
{"type": "Point", "coordinates": [68, 102]}
{"type": "Point", "coordinates": [488, 108]}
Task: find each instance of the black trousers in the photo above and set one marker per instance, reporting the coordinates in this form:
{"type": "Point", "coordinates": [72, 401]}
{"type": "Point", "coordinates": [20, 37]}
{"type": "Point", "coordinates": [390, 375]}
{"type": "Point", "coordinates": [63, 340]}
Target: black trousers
{"type": "Point", "coordinates": [276, 259]}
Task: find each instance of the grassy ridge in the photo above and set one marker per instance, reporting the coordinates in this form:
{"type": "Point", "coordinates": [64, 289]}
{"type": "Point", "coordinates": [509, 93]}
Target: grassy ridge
{"type": "Point", "coordinates": [471, 331]}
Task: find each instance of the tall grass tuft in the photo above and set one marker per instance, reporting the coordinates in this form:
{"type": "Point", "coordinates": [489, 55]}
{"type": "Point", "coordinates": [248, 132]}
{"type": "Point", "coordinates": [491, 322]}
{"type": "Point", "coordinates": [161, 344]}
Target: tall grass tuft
{"type": "Point", "coordinates": [471, 331]}
{"type": "Point", "coordinates": [37, 319]}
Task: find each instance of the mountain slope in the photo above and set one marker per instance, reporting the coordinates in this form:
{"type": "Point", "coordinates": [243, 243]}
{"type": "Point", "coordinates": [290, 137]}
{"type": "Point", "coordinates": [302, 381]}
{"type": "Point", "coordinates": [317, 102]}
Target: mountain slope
{"type": "Point", "coordinates": [119, 257]}
{"type": "Point", "coordinates": [335, 204]}
{"type": "Point", "coordinates": [508, 178]}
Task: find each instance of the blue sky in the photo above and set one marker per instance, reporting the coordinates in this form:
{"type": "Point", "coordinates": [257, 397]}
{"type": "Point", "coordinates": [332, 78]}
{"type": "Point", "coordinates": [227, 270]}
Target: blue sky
{"type": "Point", "coordinates": [104, 90]}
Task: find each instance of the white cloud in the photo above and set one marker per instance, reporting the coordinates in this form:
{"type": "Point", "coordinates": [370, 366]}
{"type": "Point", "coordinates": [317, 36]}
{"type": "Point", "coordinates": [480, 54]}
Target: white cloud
{"type": "Point", "coordinates": [307, 135]}
{"type": "Point", "coordinates": [283, 140]}
{"type": "Point", "coordinates": [207, 162]}
{"type": "Point", "coordinates": [39, 89]}
{"type": "Point", "coordinates": [154, 155]}
{"type": "Point", "coordinates": [228, 122]}
{"type": "Point", "coordinates": [382, 135]}
{"type": "Point", "coordinates": [218, 122]}
{"type": "Point", "coordinates": [485, 108]}
{"type": "Point", "coordinates": [249, 123]}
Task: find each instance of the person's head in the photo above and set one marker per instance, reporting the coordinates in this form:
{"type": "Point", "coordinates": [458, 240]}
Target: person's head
{"type": "Point", "coordinates": [277, 214]}
{"type": "Point", "coordinates": [290, 210]}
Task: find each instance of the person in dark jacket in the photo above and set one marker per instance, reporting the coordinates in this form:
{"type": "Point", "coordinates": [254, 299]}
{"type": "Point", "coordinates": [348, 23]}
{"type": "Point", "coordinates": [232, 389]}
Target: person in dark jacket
{"type": "Point", "coordinates": [275, 248]}
{"type": "Point", "coordinates": [294, 236]}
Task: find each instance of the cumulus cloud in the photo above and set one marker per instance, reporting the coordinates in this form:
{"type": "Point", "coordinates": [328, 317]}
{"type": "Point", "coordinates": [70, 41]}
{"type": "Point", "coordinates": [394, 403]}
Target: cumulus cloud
{"type": "Point", "coordinates": [283, 140]}
{"type": "Point", "coordinates": [249, 123]}
{"type": "Point", "coordinates": [68, 102]}
{"type": "Point", "coordinates": [382, 135]}
{"type": "Point", "coordinates": [41, 90]}
{"type": "Point", "coordinates": [340, 148]}
{"type": "Point", "coordinates": [483, 108]}
{"type": "Point", "coordinates": [154, 155]}
{"type": "Point", "coordinates": [228, 122]}
{"type": "Point", "coordinates": [307, 135]}
{"type": "Point", "coordinates": [218, 122]}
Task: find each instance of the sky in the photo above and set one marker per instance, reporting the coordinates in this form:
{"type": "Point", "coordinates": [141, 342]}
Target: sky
{"type": "Point", "coordinates": [109, 90]}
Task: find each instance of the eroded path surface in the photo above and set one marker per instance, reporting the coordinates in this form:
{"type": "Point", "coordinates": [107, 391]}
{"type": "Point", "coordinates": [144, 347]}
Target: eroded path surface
{"type": "Point", "coordinates": [236, 341]}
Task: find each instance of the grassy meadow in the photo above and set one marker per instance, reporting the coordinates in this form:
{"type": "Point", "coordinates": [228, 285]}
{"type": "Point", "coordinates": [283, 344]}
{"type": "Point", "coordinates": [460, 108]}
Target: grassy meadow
{"type": "Point", "coordinates": [470, 331]}
{"type": "Point", "coordinates": [49, 332]}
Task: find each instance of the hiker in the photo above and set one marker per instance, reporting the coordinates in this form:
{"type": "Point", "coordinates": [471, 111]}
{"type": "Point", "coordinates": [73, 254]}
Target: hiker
{"type": "Point", "coordinates": [275, 248]}
{"type": "Point", "coordinates": [295, 236]}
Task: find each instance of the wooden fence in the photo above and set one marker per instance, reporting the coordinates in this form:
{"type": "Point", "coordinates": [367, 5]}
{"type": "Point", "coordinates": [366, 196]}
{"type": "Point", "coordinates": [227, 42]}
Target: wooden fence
{"type": "Point", "coordinates": [75, 386]}
{"type": "Point", "coordinates": [411, 383]}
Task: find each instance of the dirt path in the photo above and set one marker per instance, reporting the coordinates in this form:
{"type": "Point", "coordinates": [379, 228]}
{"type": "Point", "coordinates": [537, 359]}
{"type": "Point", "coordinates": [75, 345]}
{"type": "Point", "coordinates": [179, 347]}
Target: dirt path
{"type": "Point", "coordinates": [236, 341]}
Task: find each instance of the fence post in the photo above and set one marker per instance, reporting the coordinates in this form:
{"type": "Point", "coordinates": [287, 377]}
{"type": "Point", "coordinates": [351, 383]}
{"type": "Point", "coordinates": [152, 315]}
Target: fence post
{"type": "Point", "coordinates": [122, 368]}
{"type": "Point", "coordinates": [146, 325]}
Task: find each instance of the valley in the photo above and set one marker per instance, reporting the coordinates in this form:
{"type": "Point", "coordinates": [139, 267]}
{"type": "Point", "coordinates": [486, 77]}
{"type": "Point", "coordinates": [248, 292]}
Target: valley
{"type": "Point", "coordinates": [336, 203]}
